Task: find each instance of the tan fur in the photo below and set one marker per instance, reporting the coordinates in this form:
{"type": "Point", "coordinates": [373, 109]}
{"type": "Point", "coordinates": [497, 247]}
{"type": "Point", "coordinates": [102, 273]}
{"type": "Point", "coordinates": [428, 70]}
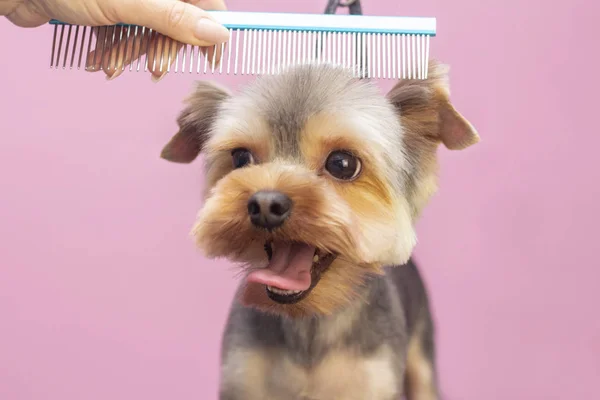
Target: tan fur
{"type": "Point", "coordinates": [420, 381]}
{"type": "Point", "coordinates": [342, 375]}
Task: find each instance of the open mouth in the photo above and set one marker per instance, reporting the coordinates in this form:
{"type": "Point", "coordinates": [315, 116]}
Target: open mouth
{"type": "Point", "coordinates": [294, 269]}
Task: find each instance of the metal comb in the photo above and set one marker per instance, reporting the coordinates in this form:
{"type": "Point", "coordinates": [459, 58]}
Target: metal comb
{"type": "Point", "coordinates": [260, 43]}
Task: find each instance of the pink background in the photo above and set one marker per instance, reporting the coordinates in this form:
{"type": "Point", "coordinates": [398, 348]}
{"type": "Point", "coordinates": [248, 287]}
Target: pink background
{"type": "Point", "coordinates": [103, 296]}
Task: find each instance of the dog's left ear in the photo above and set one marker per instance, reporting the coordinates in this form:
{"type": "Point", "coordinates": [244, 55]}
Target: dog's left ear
{"type": "Point", "coordinates": [425, 109]}
{"type": "Point", "coordinates": [195, 123]}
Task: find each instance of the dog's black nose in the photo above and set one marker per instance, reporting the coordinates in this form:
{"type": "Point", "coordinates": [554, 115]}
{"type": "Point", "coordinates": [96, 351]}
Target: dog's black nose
{"type": "Point", "coordinates": [269, 209]}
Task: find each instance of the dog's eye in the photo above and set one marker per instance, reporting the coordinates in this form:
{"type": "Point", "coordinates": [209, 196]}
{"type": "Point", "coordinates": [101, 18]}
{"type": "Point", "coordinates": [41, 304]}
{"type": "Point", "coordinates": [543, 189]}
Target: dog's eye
{"type": "Point", "coordinates": [241, 158]}
{"type": "Point", "coordinates": [343, 165]}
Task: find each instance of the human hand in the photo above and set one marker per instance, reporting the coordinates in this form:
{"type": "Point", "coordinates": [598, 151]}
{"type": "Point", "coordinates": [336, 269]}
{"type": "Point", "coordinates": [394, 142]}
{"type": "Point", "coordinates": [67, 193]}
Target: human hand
{"type": "Point", "coordinates": [184, 21]}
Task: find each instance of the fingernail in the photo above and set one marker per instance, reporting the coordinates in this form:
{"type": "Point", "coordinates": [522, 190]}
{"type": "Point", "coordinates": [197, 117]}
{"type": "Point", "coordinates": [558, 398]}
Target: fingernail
{"type": "Point", "coordinates": [110, 77]}
{"type": "Point", "coordinates": [210, 31]}
{"type": "Point", "coordinates": [157, 79]}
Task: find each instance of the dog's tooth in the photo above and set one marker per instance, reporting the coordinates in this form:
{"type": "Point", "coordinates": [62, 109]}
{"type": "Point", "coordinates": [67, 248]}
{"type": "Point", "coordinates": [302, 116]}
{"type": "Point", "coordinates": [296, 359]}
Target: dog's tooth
{"type": "Point", "coordinates": [316, 258]}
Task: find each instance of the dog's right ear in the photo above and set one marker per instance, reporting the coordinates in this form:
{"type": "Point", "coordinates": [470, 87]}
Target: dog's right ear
{"type": "Point", "coordinates": [195, 123]}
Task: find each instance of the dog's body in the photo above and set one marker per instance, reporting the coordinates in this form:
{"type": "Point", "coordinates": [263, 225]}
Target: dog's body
{"type": "Point", "coordinates": [314, 183]}
{"type": "Point", "coordinates": [373, 349]}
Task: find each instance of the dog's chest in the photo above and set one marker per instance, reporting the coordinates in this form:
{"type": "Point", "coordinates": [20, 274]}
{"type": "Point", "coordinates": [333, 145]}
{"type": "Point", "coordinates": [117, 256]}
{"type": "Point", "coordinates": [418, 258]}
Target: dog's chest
{"type": "Point", "coordinates": [339, 375]}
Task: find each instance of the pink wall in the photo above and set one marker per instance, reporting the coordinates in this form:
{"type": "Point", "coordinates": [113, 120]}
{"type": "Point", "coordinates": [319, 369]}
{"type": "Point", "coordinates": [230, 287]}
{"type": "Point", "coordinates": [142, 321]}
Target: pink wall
{"type": "Point", "coordinates": [103, 296]}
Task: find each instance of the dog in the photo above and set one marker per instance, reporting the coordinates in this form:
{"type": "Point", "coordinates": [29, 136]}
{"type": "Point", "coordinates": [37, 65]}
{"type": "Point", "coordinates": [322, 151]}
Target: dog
{"type": "Point", "coordinates": [314, 181]}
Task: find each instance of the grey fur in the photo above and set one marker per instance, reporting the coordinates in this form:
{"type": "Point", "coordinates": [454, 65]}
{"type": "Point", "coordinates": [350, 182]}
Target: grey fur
{"type": "Point", "coordinates": [395, 304]}
{"type": "Point", "coordinates": [288, 100]}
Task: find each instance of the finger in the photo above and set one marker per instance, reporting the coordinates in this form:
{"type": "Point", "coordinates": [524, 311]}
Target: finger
{"type": "Point", "coordinates": [161, 56]}
{"type": "Point", "coordinates": [179, 20]}
{"type": "Point", "coordinates": [27, 16]}
{"type": "Point", "coordinates": [113, 58]}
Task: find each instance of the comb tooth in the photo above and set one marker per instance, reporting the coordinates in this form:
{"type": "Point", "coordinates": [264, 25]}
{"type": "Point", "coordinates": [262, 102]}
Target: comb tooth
{"type": "Point", "coordinates": [271, 55]}
{"type": "Point", "coordinates": [82, 46]}
{"type": "Point", "coordinates": [250, 47]}
{"type": "Point", "coordinates": [376, 61]}
{"type": "Point", "coordinates": [244, 47]}
{"type": "Point", "coordinates": [286, 53]}
{"type": "Point", "coordinates": [352, 52]}
{"type": "Point", "coordinates": [368, 56]}
{"type": "Point", "coordinates": [305, 39]}
{"type": "Point", "coordinates": [291, 49]}
{"type": "Point", "coordinates": [294, 49]}
{"type": "Point", "coordinates": [259, 37]}
{"type": "Point", "coordinates": [198, 58]}
{"type": "Point", "coordinates": [237, 51]}
{"type": "Point", "coordinates": [333, 48]}
{"type": "Point", "coordinates": [379, 55]}
{"type": "Point", "coordinates": [388, 57]}
{"type": "Point", "coordinates": [343, 41]}
{"type": "Point", "coordinates": [316, 47]}
{"type": "Point", "coordinates": [121, 50]}
{"type": "Point", "coordinates": [263, 69]}
{"type": "Point", "coordinates": [152, 38]}
{"type": "Point", "coordinates": [255, 45]}
{"type": "Point", "coordinates": [157, 37]}
{"type": "Point", "coordinates": [244, 42]}
{"type": "Point", "coordinates": [140, 42]}
{"type": "Point", "coordinates": [423, 54]}
{"type": "Point", "coordinates": [214, 58]}
{"type": "Point", "coordinates": [101, 59]}
{"type": "Point", "coordinates": [319, 47]}
{"type": "Point", "coordinates": [403, 45]}
{"type": "Point", "coordinates": [312, 55]}
{"type": "Point", "coordinates": [178, 48]}
{"type": "Point", "coordinates": [354, 56]}
{"type": "Point", "coordinates": [418, 56]}
{"type": "Point", "coordinates": [206, 61]}
{"type": "Point", "coordinates": [338, 47]}
{"type": "Point", "coordinates": [222, 59]}
{"type": "Point", "coordinates": [413, 67]}
{"type": "Point", "coordinates": [126, 51]}
{"type": "Point", "coordinates": [169, 50]}
{"type": "Point", "coordinates": [328, 47]}
{"type": "Point", "coordinates": [163, 40]}
{"type": "Point", "coordinates": [408, 63]}
{"type": "Point", "coordinates": [427, 57]}
{"type": "Point", "coordinates": [229, 50]}
{"type": "Point", "coordinates": [110, 47]}
{"type": "Point", "coordinates": [191, 54]}
{"type": "Point", "coordinates": [184, 51]}
{"type": "Point", "coordinates": [369, 44]}
{"type": "Point", "coordinates": [373, 55]}
{"type": "Point", "coordinates": [89, 49]}
{"type": "Point", "coordinates": [393, 50]}
{"type": "Point", "coordinates": [362, 55]}
{"type": "Point", "coordinates": [149, 37]}
{"type": "Point", "coordinates": [53, 46]}
{"type": "Point", "coordinates": [62, 31]}
{"type": "Point", "coordinates": [74, 46]}
{"type": "Point", "coordinates": [279, 50]}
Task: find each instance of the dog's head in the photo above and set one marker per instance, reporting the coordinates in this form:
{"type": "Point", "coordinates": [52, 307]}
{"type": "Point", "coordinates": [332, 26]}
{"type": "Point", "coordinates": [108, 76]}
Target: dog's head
{"type": "Point", "coordinates": [314, 179]}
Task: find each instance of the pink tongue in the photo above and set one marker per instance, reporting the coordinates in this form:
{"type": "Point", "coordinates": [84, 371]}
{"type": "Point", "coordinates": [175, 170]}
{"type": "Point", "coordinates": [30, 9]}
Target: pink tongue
{"type": "Point", "coordinates": [289, 268]}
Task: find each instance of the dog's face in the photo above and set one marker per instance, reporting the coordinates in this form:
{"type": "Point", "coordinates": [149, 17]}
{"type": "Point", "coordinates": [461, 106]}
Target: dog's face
{"type": "Point", "coordinates": [314, 179]}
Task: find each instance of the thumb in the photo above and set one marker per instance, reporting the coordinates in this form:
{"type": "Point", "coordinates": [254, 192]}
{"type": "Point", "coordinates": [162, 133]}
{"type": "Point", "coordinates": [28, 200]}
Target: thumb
{"type": "Point", "coordinates": [173, 18]}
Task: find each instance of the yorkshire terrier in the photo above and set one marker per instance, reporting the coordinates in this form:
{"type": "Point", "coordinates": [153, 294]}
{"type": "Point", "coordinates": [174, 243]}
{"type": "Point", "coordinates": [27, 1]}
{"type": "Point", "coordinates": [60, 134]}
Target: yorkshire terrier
{"type": "Point", "coordinates": [314, 183]}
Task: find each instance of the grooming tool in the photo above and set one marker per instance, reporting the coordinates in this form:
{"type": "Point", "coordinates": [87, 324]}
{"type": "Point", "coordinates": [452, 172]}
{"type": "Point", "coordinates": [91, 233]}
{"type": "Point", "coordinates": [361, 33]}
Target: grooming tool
{"type": "Point", "coordinates": [260, 43]}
